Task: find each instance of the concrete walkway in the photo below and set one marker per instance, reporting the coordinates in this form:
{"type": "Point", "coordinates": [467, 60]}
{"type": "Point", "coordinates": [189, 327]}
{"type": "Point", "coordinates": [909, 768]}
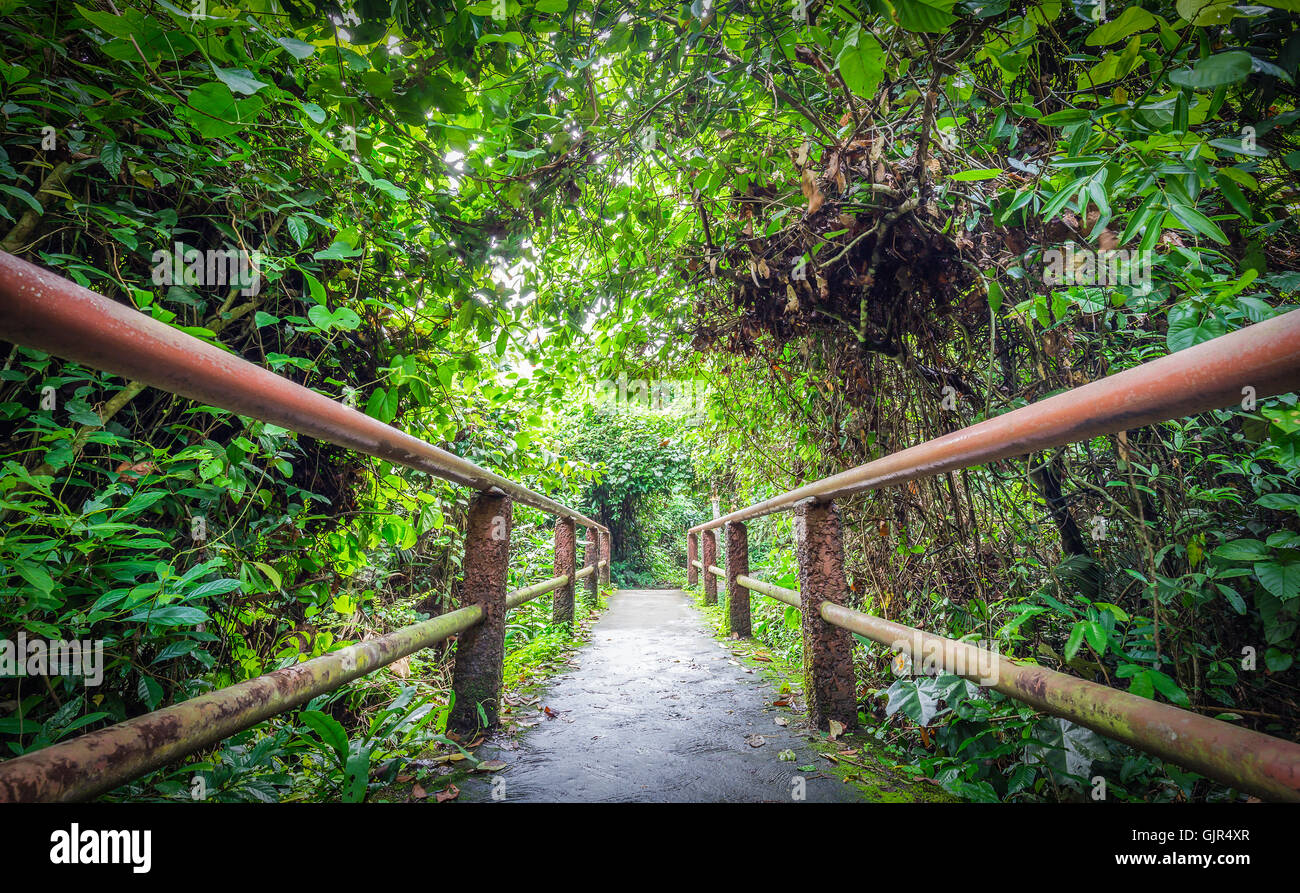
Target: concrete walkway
{"type": "Point", "coordinates": [658, 711]}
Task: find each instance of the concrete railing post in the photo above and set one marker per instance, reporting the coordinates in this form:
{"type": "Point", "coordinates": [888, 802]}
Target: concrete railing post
{"type": "Point", "coordinates": [590, 560]}
{"type": "Point", "coordinates": [710, 558]}
{"type": "Point", "coordinates": [692, 556]}
{"type": "Point", "coordinates": [480, 650]}
{"type": "Point", "coordinates": [738, 565]}
{"type": "Point", "coordinates": [603, 538]}
{"type": "Point", "coordinates": [827, 650]}
{"type": "Point", "coordinates": [566, 560]}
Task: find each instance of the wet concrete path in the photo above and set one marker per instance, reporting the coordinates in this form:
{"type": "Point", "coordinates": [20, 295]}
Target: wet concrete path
{"type": "Point", "coordinates": [656, 710]}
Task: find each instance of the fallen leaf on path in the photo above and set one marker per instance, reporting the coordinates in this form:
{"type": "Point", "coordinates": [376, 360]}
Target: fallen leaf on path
{"type": "Point", "coordinates": [786, 756]}
{"type": "Point", "coordinates": [403, 779]}
{"type": "Point", "coordinates": [757, 740]}
{"type": "Point", "coordinates": [781, 703]}
{"type": "Point", "coordinates": [419, 793]}
{"type": "Point", "coordinates": [782, 721]}
{"type": "Point", "coordinates": [490, 766]}
{"type": "Point", "coordinates": [837, 729]}
{"type": "Point", "coordinates": [451, 792]}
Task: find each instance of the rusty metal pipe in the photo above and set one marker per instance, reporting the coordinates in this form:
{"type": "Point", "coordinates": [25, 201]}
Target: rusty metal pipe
{"type": "Point", "coordinates": [89, 765]}
{"type": "Point", "coordinates": [789, 596]}
{"type": "Point", "coordinates": [43, 310]}
{"type": "Point", "coordinates": [528, 593]}
{"type": "Point", "coordinates": [1265, 356]}
{"type": "Point", "coordinates": [1243, 759]}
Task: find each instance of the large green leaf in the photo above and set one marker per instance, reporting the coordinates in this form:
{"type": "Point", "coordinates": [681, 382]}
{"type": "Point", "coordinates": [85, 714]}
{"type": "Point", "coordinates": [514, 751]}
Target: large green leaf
{"type": "Point", "coordinates": [1217, 71]}
{"type": "Point", "coordinates": [329, 729]}
{"type": "Point", "coordinates": [1280, 577]}
{"type": "Point", "coordinates": [861, 62]}
{"type": "Point", "coordinates": [1190, 325]}
{"type": "Point", "coordinates": [914, 15]}
{"type": "Point", "coordinates": [917, 704]}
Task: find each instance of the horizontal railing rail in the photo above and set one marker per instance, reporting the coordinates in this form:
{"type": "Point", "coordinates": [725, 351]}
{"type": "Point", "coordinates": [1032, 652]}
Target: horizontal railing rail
{"type": "Point", "coordinates": [1259, 361]}
{"type": "Point", "coordinates": [91, 764]}
{"type": "Point", "coordinates": [1242, 758]}
{"type": "Point", "coordinates": [42, 310]}
{"type": "Point", "coordinates": [1211, 375]}
{"type": "Point", "coordinates": [789, 596]}
{"type": "Point", "coordinates": [1157, 728]}
{"type": "Point", "coordinates": [527, 594]}
{"type": "Point", "coordinates": [99, 761]}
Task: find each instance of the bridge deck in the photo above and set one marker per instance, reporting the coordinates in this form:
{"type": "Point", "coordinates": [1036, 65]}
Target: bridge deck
{"type": "Point", "coordinates": [656, 710]}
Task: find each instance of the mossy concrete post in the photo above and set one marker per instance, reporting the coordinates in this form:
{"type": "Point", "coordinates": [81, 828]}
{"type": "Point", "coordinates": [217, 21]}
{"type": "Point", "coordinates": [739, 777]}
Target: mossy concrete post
{"type": "Point", "coordinates": [589, 559]}
{"type": "Point", "coordinates": [827, 650]}
{"type": "Point", "coordinates": [709, 560]}
{"type": "Point", "coordinates": [603, 538]}
{"type": "Point", "coordinates": [737, 566]}
{"type": "Point", "coordinates": [692, 556]}
{"type": "Point", "coordinates": [480, 650]}
{"type": "Point", "coordinates": [565, 564]}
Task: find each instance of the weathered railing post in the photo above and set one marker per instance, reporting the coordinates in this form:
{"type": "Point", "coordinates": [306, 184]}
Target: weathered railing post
{"type": "Point", "coordinates": [827, 650]}
{"type": "Point", "coordinates": [603, 538]}
{"type": "Point", "coordinates": [692, 556]}
{"type": "Point", "coordinates": [480, 650]}
{"type": "Point", "coordinates": [710, 558]}
{"type": "Point", "coordinates": [589, 560]}
{"type": "Point", "coordinates": [737, 565]}
{"type": "Point", "coordinates": [566, 560]}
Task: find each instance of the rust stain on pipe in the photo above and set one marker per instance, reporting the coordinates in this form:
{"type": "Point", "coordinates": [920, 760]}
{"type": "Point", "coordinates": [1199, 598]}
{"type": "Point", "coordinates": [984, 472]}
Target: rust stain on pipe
{"type": "Point", "coordinates": [1265, 356]}
{"type": "Point", "coordinates": [43, 310]}
{"type": "Point", "coordinates": [1246, 760]}
{"type": "Point", "coordinates": [99, 761]}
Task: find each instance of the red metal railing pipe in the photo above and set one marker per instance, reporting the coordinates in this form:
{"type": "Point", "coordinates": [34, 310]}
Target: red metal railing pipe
{"type": "Point", "coordinates": [1212, 375]}
{"type": "Point", "coordinates": [43, 310]}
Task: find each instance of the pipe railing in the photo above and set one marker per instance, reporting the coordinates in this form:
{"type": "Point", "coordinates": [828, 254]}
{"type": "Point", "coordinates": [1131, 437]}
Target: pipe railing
{"type": "Point", "coordinates": [94, 763]}
{"type": "Point", "coordinates": [1211, 375]}
{"type": "Point", "coordinates": [42, 310]}
{"type": "Point", "coordinates": [1242, 758]}
{"type": "Point", "coordinates": [99, 761]}
{"type": "Point", "coordinates": [789, 596]}
{"type": "Point", "coordinates": [1259, 361]}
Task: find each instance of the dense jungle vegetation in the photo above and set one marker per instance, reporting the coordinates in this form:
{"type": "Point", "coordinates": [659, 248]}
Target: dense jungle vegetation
{"type": "Point", "coordinates": [474, 220]}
